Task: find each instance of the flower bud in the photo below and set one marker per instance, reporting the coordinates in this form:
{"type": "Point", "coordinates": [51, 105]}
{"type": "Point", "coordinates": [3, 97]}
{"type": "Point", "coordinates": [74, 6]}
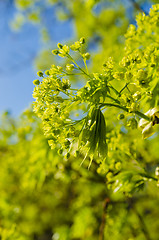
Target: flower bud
{"type": "Point", "coordinates": [59, 45]}
{"type": "Point", "coordinates": [67, 155]}
{"type": "Point", "coordinates": [40, 74]}
{"type": "Point", "coordinates": [132, 123]}
{"type": "Point", "coordinates": [137, 96]}
{"type": "Point", "coordinates": [55, 51]}
{"type": "Point", "coordinates": [86, 56]}
{"type": "Point", "coordinates": [47, 72]}
{"type": "Point", "coordinates": [82, 40]}
{"type": "Point", "coordinates": [69, 67]}
{"type": "Point", "coordinates": [118, 166]}
{"type": "Point", "coordinates": [59, 68]}
{"type": "Point", "coordinates": [121, 116]}
{"type": "Point", "coordinates": [141, 74]}
{"type": "Point", "coordinates": [36, 82]}
{"type": "Point", "coordinates": [67, 144]}
{"type": "Point", "coordinates": [118, 75]}
{"type": "Point", "coordinates": [60, 151]}
{"type": "Point", "coordinates": [109, 176]}
{"type": "Point", "coordinates": [125, 62]}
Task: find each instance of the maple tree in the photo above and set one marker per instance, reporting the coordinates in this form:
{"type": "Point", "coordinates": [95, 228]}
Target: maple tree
{"type": "Point", "coordinates": [82, 163]}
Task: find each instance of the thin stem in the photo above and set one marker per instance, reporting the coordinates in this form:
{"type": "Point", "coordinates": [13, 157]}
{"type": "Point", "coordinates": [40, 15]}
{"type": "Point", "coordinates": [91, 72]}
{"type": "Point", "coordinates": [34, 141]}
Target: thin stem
{"type": "Point", "coordinates": [86, 66]}
{"type": "Point", "coordinates": [71, 74]}
{"type": "Point", "coordinates": [115, 100]}
{"type": "Point", "coordinates": [137, 6]}
{"type": "Point", "coordinates": [80, 68]}
{"type": "Point", "coordinates": [113, 105]}
{"type": "Point", "coordinates": [128, 89]}
{"type": "Point", "coordinates": [142, 115]}
{"type": "Point", "coordinates": [74, 74]}
{"type": "Point", "coordinates": [145, 175]}
{"type": "Point", "coordinates": [75, 122]}
{"type": "Point", "coordinates": [84, 60]}
{"type": "Point", "coordinates": [69, 56]}
{"type": "Point", "coordinates": [123, 89]}
{"type": "Point", "coordinates": [116, 92]}
{"type": "Point", "coordinates": [73, 89]}
{"type": "Point", "coordinates": [125, 109]}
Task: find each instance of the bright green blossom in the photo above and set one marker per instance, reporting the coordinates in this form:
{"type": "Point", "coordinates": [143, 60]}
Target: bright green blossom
{"type": "Point", "coordinates": [57, 101]}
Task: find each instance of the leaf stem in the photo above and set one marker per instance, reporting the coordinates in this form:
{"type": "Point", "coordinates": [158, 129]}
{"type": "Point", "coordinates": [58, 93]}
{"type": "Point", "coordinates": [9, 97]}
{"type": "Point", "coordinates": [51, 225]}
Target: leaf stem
{"type": "Point", "coordinates": [86, 66]}
{"type": "Point", "coordinates": [142, 115]}
{"type": "Point", "coordinates": [69, 56]}
{"type": "Point", "coordinates": [125, 109]}
{"type": "Point", "coordinates": [123, 89]}
{"type": "Point", "coordinates": [115, 100]}
{"type": "Point", "coordinates": [116, 92]}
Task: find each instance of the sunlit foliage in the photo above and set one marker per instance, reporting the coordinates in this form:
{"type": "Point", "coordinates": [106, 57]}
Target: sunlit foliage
{"type": "Point", "coordinates": [82, 162]}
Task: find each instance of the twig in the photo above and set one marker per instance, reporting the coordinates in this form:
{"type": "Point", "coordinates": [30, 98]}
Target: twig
{"type": "Point", "coordinates": [101, 105]}
{"type": "Point", "coordinates": [137, 6]}
{"type": "Point", "coordinates": [101, 230]}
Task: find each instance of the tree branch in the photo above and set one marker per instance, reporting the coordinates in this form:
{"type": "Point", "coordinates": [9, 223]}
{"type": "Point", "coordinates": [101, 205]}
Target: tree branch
{"type": "Point", "coordinates": [101, 230]}
{"type": "Point", "coordinates": [137, 6]}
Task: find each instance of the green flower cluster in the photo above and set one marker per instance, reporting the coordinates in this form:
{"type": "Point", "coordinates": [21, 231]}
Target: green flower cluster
{"type": "Point", "coordinates": [136, 73]}
{"type": "Point", "coordinates": [55, 101]}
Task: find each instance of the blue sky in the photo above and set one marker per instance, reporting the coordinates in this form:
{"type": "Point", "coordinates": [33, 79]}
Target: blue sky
{"type": "Point", "coordinates": [16, 71]}
{"type": "Point", "coordinates": [18, 50]}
